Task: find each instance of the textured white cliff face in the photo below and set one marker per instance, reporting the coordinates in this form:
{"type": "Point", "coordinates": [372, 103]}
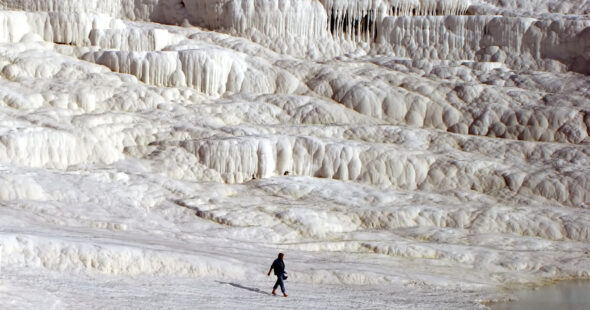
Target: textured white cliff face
{"type": "Point", "coordinates": [127, 9]}
{"type": "Point", "coordinates": [540, 6]}
{"type": "Point", "coordinates": [436, 150]}
{"type": "Point", "coordinates": [525, 37]}
{"type": "Point", "coordinates": [208, 69]}
{"type": "Point", "coordinates": [525, 40]}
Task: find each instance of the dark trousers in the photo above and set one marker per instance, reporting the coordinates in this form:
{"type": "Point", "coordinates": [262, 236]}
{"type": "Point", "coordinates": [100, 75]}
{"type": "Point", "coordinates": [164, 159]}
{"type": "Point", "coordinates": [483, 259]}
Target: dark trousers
{"type": "Point", "coordinates": [279, 282]}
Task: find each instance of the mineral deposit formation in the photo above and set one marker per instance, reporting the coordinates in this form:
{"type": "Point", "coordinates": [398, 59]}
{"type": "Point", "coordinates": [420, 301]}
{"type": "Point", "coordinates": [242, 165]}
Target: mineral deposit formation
{"type": "Point", "coordinates": [403, 153]}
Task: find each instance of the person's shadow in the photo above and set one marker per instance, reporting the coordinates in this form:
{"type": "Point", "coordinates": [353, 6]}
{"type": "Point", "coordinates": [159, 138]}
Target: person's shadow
{"type": "Point", "coordinates": [251, 289]}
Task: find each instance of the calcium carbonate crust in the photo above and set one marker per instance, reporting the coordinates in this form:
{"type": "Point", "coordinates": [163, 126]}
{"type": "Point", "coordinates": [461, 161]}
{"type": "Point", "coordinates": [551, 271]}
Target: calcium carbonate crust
{"type": "Point", "coordinates": [428, 146]}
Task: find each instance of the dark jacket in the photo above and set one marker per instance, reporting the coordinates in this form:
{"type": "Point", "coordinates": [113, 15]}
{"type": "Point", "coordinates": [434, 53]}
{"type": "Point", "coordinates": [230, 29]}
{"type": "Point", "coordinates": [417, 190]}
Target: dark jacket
{"type": "Point", "coordinates": [279, 266]}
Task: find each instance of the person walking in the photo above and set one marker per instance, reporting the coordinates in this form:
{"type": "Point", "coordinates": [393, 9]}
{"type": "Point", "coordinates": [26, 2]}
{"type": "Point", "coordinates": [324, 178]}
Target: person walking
{"type": "Point", "coordinates": [279, 267]}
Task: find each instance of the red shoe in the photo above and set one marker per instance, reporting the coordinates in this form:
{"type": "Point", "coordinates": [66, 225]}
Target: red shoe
{"type": "Point", "coordinates": [284, 294]}
{"type": "Point", "coordinates": [273, 292]}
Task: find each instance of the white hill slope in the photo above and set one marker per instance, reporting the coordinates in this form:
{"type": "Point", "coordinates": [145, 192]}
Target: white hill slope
{"type": "Point", "coordinates": [407, 154]}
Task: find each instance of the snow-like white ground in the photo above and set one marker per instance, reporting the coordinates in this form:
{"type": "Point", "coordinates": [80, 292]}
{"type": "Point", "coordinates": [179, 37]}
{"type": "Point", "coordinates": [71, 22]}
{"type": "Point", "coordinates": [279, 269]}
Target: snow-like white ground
{"type": "Point", "coordinates": [404, 154]}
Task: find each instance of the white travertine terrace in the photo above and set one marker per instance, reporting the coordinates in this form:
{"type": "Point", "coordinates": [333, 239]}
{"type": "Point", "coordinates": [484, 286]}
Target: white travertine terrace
{"type": "Point", "coordinates": [433, 149]}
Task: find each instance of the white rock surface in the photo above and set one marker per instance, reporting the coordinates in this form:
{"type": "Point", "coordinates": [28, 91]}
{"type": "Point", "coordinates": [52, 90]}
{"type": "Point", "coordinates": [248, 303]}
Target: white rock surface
{"type": "Point", "coordinates": [404, 154]}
